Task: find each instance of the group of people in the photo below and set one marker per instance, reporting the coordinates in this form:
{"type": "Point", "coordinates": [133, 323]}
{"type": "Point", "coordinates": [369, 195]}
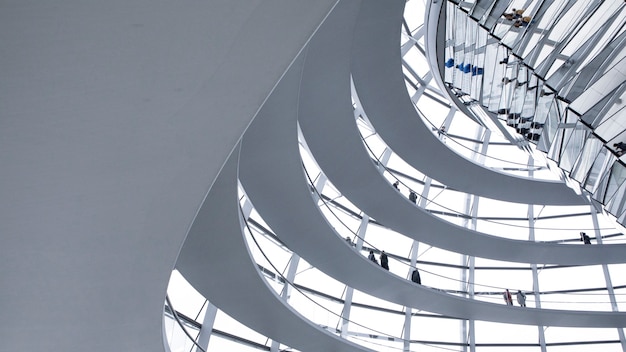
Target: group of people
{"type": "Point", "coordinates": [519, 19]}
{"type": "Point", "coordinates": [521, 298]}
{"type": "Point", "coordinates": [415, 277]}
{"type": "Point", "coordinates": [412, 194]}
{"type": "Point", "coordinates": [384, 262]}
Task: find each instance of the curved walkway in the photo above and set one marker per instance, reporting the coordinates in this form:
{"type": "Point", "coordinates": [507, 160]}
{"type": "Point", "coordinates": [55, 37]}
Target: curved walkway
{"type": "Point", "coordinates": [327, 122]}
{"type": "Point", "coordinates": [216, 262]}
{"type": "Point", "coordinates": [270, 170]}
{"type": "Point", "coordinates": [379, 81]}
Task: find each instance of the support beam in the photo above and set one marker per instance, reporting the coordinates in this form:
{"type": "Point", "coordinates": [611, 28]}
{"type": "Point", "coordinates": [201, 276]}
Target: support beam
{"type": "Point", "coordinates": [607, 276]}
{"type": "Point", "coordinates": [207, 327]}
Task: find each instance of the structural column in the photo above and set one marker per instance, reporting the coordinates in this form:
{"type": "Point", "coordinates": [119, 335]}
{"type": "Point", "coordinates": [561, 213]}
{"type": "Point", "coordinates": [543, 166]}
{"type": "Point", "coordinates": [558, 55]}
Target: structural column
{"type": "Point", "coordinates": [535, 273]}
{"type": "Point", "coordinates": [347, 304]}
{"type": "Point", "coordinates": [607, 276]}
{"type": "Point", "coordinates": [207, 327]}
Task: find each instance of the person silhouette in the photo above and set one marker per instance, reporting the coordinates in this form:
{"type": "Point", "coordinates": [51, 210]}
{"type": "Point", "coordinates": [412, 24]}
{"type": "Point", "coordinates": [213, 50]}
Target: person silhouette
{"type": "Point", "coordinates": [507, 297]}
{"type": "Point", "coordinates": [521, 298]}
{"type": "Point", "coordinates": [585, 238]}
{"type": "Point", "coordinates": [384, 261]}
{"type": "Point", "coordinates": [413, 197]}
{"type": "Point", "coordinates": [372, 257]}
{"type": "Point", "coordinates": [415, 277]}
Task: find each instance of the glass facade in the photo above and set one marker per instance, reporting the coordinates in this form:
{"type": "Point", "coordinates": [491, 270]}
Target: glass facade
{"type": "Point", "coordinates": [552, 71]}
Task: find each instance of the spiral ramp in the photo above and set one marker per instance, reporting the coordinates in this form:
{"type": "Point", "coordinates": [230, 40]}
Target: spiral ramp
{"type": "Point", "coordinates": [315, 95]}
{"type": "Point", "coordinates": [270, 170]}
{"type": "Point", "coordinates": [215, 247]}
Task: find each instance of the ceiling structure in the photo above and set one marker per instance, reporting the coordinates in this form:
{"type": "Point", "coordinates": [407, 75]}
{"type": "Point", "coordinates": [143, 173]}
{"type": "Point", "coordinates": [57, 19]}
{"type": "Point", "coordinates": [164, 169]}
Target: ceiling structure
{"type": "Point", "coordinates": [554, 72]}
{"type": "Point", "coordinates": [139, 137]}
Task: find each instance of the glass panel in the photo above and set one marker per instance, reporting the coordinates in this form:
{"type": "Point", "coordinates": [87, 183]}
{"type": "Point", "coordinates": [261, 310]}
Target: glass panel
{"type": "Point", "coordinates": [176, 337]}
{"type": "Point", "coordinates": [616, 180]}
{"type": "Point", "coordinates": [559, 335]}
{"type": "Point", "coordinates": [218, 343]}
{"type": "Point", "coordinates": [435, 329]}
{"type": "Point", "coordinates": [598, 169]}
{"type": "Point", "coordinates": [613, 346]}
{"type": "Point", "coordinates": [573, 147]}
{"type": "Point", "coordinates": [585, 160]}
{"type": "Point", "coordinates": [554, 281]}
{"type": "Point", "coordinates": [507, 333]}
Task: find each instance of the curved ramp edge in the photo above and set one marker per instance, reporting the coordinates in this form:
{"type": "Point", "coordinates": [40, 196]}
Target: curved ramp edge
{"type": "Point", "coordinates": [380, 85]}
{"type": "Point", "coordinates": [216, 261]}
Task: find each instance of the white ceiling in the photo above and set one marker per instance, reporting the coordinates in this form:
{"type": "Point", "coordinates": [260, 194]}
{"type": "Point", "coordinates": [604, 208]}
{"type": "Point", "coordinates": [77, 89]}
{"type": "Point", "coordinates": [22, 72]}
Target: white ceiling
{"type": "Point", "coordinates": [115, 118]}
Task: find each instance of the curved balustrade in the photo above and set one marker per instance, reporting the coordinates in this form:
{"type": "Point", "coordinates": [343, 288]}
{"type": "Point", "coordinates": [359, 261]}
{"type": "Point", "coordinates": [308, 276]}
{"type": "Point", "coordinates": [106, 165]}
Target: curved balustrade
{"type": "Point", "coordinates": [487, 226]}
{"type": "Point", "coordinates": [404, 263]}
{"type": "Point", "coordinates": [454, 142]}
{"type": "Point", "coordinates": [486, 292]}
{"type": "Point", "coordinates": [181, 325]}
{"type": "Point", "coordinates": [218, 222]}
{"type": "Point", "coordinates": [311, 245]}
{"type": "Point", "coordinates": [296, 290]}
{"type": "Point", "coordinates": [307, 238]}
